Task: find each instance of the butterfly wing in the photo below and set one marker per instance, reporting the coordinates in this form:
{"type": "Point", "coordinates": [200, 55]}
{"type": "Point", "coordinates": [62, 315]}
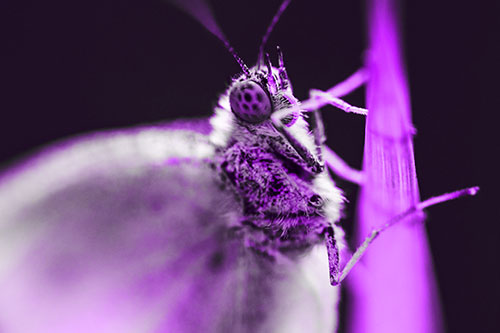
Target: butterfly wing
{"type": "Point", "coordinates": [127, 231]}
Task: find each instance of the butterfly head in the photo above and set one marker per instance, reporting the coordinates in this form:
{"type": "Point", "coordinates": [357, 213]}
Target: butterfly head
{"type": "Point", "coordinates": [255, 96]}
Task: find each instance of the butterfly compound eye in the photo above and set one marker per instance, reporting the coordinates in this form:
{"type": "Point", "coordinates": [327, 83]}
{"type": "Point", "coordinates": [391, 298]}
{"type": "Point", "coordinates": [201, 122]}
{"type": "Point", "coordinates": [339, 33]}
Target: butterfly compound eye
{"type": "Point", "coordinates": [250, 102]}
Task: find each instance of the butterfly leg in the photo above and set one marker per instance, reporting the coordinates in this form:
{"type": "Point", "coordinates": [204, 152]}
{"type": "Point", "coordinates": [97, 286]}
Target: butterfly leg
{"type": "Point", "coordinates": [323, 153]}
{"type": "Point", "coordinates": [341, 168]}
{"type": "Point", "coordinates": [316, 162]}
{"type": "Point", "coordinates": [332, 95]}
{"type": "Point", "coordinates": [334, 162]}
{"type": "Point", "coordinates": [416, 209]}
{"type": "Point", "coordinates": [318, 130]}
{"type": "Point", "coordinates": [321, 98]}
{"type": "Point", "coordinates": [350, 84]}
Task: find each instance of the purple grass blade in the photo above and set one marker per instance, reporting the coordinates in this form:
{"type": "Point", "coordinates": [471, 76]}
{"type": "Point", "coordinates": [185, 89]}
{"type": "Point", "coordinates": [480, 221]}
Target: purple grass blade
{"type": "Point", "coordinates": [395, 290]}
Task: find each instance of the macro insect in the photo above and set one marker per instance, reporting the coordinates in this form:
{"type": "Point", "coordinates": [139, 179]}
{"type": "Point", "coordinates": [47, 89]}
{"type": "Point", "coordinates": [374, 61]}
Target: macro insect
{"type": "Point", "coordinates": [168, 229]}
{"type": "Point", "coordinates": [164, 228]}
{"type": "Point", "coordinates": [272, 159]}
{"type": "Point", "coordinates": [277, 172]}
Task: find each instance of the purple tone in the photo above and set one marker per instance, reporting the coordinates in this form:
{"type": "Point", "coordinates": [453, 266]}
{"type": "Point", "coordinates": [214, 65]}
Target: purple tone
{"type": "Point", "coordinates": [128, 231]}
{"type": "Point", "coordinates": [250, 102]}
{"type": "Point", "coordinates": [394, 288]}
{"type": "Point", "coordinates": [274, 170]}
{"type": "Point", "coordinates": [136, 231]}
{"type": "Point", "coordinates": [185, 101]}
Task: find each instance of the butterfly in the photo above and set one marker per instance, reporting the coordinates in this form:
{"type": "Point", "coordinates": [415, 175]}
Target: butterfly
{"type": "Point", "coordinates": [132, 231]}
{"type": "Point", "coordinates": [135, 230]}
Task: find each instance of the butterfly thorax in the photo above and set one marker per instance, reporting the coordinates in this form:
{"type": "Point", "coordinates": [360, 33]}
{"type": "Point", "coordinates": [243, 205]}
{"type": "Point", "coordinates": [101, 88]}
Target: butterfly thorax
{"type": "Point", "coordinates": [272, 182]}
{"type": "Point", "coordinates": [276, 194]}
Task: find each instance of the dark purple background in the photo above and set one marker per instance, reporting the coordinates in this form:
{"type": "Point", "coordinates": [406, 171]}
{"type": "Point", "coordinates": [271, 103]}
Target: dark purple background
{"type": "Point", "coordinates": [73, 67]}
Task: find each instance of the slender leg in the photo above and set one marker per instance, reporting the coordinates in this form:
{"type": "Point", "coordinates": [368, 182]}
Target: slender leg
{"type": "Point", "coordinates": [350, 84]}
{"type": "Point", "coordinates": [332, 96]}
{"type": "Point", "coordinates": [318, 129]}
{"type": "Point", "coordinates": [398, 218]}
{"type": "Point", "coordinates": [317, 100]}
{"type": "Point", "coordinates": [320, 98]}
{"type": "Point", "coordinates": [323, 152]}
{"type": "Point", "coordinates": [341, 168]}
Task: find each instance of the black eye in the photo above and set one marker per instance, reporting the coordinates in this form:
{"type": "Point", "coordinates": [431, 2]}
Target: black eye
{"type": "Point", "coordinates": [250, 102]}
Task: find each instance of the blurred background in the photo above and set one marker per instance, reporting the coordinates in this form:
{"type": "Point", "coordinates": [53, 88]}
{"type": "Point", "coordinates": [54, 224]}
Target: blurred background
{"type": "Point", "coordinates": [69, 68]}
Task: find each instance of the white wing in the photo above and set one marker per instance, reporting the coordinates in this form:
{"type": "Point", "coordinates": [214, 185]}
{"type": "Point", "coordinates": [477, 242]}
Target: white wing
{"type": "Point", "coordinates": [126, 231]}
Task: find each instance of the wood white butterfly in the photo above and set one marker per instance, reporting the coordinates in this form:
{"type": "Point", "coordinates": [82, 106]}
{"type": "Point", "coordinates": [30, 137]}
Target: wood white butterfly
{"type": "Point", "coordinates": [192, 226]}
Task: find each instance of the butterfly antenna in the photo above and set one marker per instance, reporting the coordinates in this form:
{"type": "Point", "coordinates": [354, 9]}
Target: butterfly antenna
{"type": "Point", "coordinates": [270, 28]}
{"type": "Point", "coordinates": [240, 62]}
{"type": "Point", "coordinates": [201, 11]}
